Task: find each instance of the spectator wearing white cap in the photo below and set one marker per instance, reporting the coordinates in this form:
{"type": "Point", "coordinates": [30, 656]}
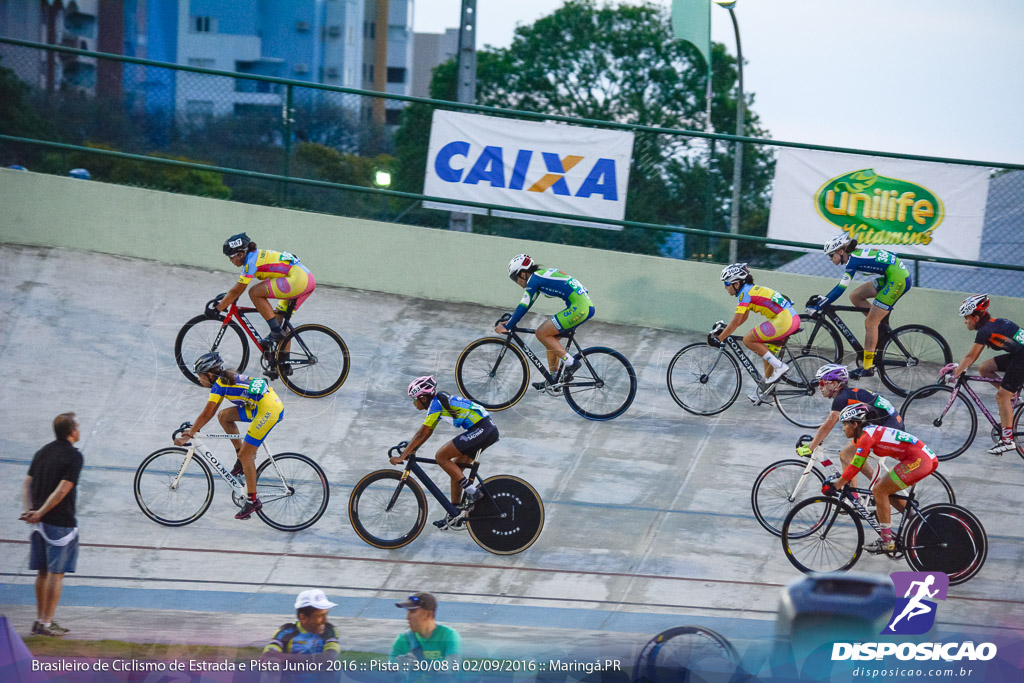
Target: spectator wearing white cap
{"type": "Point", "coordinates": [425, 639]}
{"type": "Point", "coordinates": [312, 634]}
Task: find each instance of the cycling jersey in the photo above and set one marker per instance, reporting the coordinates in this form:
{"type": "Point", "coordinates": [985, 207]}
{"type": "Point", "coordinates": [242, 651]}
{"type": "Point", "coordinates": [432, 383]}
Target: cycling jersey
{"type": "Point", "coordinates": [880, 411]}
{"type": "Point", "coordinates": [555, 284]}
{"type": "Point", "coordinates": [894, 283]}
{"type": "Point", "coordinates": [758, 299]}
{"type": "Point", "coordinates": [265, 264]}
{"type": "Point", "coordinates": [1002, 335]}
{"type": "Point", "coordinates": [245, 392]}
{"type": "Point", "coordinates": [294, 640]}
{"type": "Point", "coordinates": [460, 412]}
{"type": "Point", "coordinates": [916, 460]}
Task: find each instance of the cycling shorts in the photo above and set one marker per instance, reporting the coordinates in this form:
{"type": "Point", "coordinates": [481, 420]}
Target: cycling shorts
{"type": "Point", "coordinates": [890, 288]}
{"type": "Point", "coordinates": [778, 328]}
{"type": "Point", "coordinates": [573, 316]}
{"type": "Point", "coordinates": [478, 437]}
{"type": "Point", "coordinates": [909, 472]}
{"type": "Point", "coordinates": [261, 418]}
{"type": "Point", "coordinates": [1012, 365]}
{"type": "Point", "coordinates": [298, 284]}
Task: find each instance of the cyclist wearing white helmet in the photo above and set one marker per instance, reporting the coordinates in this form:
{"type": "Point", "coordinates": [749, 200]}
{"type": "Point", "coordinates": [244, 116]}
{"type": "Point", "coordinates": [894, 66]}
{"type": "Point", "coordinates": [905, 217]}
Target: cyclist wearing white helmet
{"type": "Point", "coordinates": [1002, 335]}
{"type": "Point", "coordinates": [765, 339]}
{"type": "Point", "coordinates": [536, 280]}
{"type": "Point", "coordinates": [480, 433]}
{"type": "Point", "coordinates": [916, 462]}
{"type": "Point", "coordinates": [893, 282]}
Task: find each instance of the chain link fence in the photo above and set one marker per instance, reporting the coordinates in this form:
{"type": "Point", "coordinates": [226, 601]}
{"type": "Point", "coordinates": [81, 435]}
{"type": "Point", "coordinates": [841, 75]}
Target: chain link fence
{"type": "Point", "coordinates": [290, 129]}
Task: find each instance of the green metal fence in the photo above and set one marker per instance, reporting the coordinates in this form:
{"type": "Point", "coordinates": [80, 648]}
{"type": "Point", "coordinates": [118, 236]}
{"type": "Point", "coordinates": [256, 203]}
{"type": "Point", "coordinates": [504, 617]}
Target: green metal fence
{"type": "Point", "coordinates": [281, 142]}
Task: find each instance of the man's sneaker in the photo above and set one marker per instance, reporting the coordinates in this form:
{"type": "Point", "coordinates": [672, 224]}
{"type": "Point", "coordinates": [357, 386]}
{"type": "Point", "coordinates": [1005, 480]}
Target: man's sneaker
{"type": "Point", "coordinates": [880, 546]}
{"type": "Point", "coordinates": [237, 469]}
{"type": "Point", "coordinates": [54, 626]}
{"type": "Point", "coordinates": [53, 630]}
{"type": "Point", "coordinates": [250, 507]}
{"type": "Point", "coordinates": [450, 523]}
{"type": "Point", "coordinates": [755, 398]}
{"type": "Point", "coordinates": [542, 385]}
{"type": "Point", "coordinates": [776, 375]}
{"type": "Point", "coordinates": [273, 338]}
{"type": "Point", "coordinates": [35, 627]}
{"type": "Point", "coordinates": [1002, 447]}
{"type": "Point", "coordinates": [861, 373]}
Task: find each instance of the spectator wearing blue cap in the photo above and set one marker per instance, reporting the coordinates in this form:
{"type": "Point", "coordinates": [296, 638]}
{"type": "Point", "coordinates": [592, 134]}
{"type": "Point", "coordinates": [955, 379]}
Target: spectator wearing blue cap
{"type": "Point", "coordinates": [426, 639]}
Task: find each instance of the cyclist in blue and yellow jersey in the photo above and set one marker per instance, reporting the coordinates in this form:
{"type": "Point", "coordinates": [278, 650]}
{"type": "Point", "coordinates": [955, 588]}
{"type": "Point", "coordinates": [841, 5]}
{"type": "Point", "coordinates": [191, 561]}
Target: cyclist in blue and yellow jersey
{"type": "Point", "coordinates": [781, 322]}
{"type": "Point", "coordinates": [463, 413]}
{"type": "Point", "coordinates": [893, 282]}
{"type": "Point", "coordinates": [311, 635]}
{"type": "Point", "coordinates": [1002, 335]}
{"type": "Point", "coordinates": [551, 282]}
{"type": "Point", "coordinates": [281, 276]}
{"type": "Point", "coordinates": [254, 401]}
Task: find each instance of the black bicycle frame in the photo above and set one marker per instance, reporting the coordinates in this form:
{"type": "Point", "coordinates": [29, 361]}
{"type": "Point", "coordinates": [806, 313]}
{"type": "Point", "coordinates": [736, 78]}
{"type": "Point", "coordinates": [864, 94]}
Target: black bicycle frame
{"type": "Point", "coordinates": [570, 343]}
{"type": "Point", "coordinates": [412, 466]}
{"type": "Point", "coordinates": [832, 313]}
{"type": "Point", "coordinates": [742, 357]}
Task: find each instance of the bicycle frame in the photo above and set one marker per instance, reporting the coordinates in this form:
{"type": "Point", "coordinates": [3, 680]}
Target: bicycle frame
{"type": "Point", "coordinates": [236, 312]}
{"type": "Point", "coordinates": [571, 343]}
{"type": "Point", "coordinates": [964, 383]}
{"type": "Point", "coordinates": [197, 447]}
{"type": "Point", "coordinates": [732, 344]}
{"type": "Point", "coordinates": [818, 455]}
{"type": "Point", "coordinates": [412, 467]}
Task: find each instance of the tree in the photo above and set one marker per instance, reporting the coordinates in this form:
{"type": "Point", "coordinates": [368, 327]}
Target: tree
{"type": "Point", "coordinates": [19, 118]}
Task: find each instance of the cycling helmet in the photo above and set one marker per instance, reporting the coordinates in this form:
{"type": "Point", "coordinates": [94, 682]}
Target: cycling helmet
{"type": "Point", "coordinates": [236, 243]}
{"type": "Point", "coordinates": [835, 244]}
{"type": "Point", "coordinates": [423, 386]}
{"type": "Point", "coordinates": [521, 262]}
{"type": "Point", "coordinates": [976, 303]}
{"type": "Point", "coordinates": [734, 272]}
{"type": "Point", "coordinates": [858, 412]}
{"type": "Point", "coordinates": [833, 372]}
{"type": "Point", "coordinates": [208, 362]}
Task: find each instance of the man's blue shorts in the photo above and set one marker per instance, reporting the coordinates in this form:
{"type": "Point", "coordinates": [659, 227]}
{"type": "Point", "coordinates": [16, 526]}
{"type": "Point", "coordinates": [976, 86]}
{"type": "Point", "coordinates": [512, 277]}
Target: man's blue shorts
{"type": "Point", "coordinates": [56, 559]}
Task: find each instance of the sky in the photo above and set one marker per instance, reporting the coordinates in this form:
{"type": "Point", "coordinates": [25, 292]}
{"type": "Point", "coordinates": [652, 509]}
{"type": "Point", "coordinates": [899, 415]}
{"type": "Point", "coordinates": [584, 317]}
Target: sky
{"type": "Point", "coordinates": [932, 77]}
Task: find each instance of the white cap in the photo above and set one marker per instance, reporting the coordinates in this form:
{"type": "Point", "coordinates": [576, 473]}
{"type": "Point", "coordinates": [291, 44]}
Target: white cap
{"type": "Point", "coordinates": [314, 597]}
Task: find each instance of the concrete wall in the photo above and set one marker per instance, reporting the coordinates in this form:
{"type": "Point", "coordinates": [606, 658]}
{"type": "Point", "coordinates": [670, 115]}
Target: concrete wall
{"type": "Point", "coordinates": [431, 264]}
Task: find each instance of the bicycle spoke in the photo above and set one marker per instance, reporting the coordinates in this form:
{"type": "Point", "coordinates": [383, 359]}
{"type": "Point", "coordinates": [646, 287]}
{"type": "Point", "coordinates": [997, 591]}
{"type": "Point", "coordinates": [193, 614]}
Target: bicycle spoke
{"type": "Point", "coordinates": [817, 538]}
{"type": "Point", "coordinates": [703, 380]}
{"type": "Point", "coordinates": [293, 490]}
{"type": "Point", "coordinates": [603, 388]}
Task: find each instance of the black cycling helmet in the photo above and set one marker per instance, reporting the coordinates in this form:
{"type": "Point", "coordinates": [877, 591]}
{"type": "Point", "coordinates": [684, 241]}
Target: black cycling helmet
{"type": "Point", "coordinates": [236, 243]}
{"type": "Point", "coordinates": [208, 362]}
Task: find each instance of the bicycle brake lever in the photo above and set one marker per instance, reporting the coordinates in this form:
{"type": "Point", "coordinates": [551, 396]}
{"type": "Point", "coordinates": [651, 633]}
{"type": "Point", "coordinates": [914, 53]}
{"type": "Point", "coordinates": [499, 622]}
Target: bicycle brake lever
{"type": "Point", "coordinates": [184, 426]}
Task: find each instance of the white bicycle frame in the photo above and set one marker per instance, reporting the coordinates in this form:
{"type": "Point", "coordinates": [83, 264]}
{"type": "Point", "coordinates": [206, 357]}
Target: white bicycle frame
{"type": "Point", "coordinates": [197, 447]}
{"type": "Point", "coordinates": [819, 456]}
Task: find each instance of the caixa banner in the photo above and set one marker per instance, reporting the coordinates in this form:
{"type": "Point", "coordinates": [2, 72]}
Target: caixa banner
{"type": "Point", "coordinates": [525, 164]}
{"type": "Point", "coordinates": [914, 207]}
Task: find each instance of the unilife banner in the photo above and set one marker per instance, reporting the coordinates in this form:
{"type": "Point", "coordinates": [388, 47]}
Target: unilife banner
{"type": "Point", "coordinates": [525, 164]}
{"type": "Point", "coordinates": [914, 207]}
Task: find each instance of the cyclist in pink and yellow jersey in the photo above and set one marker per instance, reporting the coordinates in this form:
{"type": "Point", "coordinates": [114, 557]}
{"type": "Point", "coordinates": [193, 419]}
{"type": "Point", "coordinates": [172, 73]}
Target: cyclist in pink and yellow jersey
{"type": "Point", "coordinates": [281, 276]}
{"type": "Point", "coordinates": [781, 322]}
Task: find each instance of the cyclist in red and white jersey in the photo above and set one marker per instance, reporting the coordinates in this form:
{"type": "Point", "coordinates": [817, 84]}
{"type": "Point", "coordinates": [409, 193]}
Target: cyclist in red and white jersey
{"type": "Point", "coordinates": [916, 462]}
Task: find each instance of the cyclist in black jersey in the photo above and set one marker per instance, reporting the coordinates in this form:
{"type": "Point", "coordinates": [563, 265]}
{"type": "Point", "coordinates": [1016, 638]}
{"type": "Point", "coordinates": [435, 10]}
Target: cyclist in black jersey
{"type": "Point", "coordinates": [1002, 335]}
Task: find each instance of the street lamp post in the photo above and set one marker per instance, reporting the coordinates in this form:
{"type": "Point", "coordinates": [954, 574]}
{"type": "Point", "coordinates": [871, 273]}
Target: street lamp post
{"type": "Point", "coordinates": [737, 171]}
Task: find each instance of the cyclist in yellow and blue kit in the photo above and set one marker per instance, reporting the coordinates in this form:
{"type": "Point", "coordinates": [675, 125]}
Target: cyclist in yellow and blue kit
{"type": "Point", "coordinates": [254, 401]}
{"type": "Point", "coordinates": [480, 433]}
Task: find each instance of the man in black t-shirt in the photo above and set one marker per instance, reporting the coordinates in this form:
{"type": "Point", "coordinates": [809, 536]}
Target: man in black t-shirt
{"type": "Point", "coordinates": [1002, 335]}
{"type": "Point", "coordinates": [49, 495]}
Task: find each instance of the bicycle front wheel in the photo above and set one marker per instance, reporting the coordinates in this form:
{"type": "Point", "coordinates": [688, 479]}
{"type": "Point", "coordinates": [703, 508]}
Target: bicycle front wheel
{"type": "Point", "coordinates": [313, 361]}
{"type": "Point", "coordinates": [170, 493]}
{"type": "Point", "coordinates": [386, 510]}
{"type": "Point", "coordinates": [509, 518]}
{"type": "Point", "coordinates": [293, 490]}
{"type": "Point", "coordinates": [703, 380]}
{"type": "Point", "coordinates": [201, 335]}
{"type": "Point", "coordinates": [911, 357]}
{"type": "Point", "coordinates": [796, 393]}
{"type": "Point", "coordinates": [817, 538]}
{"type": "Point", "coordinates": [492, 372]}
{"type": "Point", "coordinates": [946, 428]}
{"type": "Point", "coordinates": [603, 387]}
{"type": "Point", "coordinates": [778, 489]}
{"type": "Point", "coordinates": [946, 538]}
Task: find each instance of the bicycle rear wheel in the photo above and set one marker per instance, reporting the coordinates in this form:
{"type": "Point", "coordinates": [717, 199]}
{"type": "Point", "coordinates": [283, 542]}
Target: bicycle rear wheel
{"type": "Point", "coordinates": [387, 511]}
{"type": "Point", "coordinates": [948, 432]}
{"type": "Point", "coordinates": [294, 493]}
{"type": "Point", "coordinates": [493, 372]}
{"type": "Point", "coordinates": [814, 339]}
{"type": "Point", "coordinates": [778, 488]}
{"type": "Point", "coordinates": [316, 361]}
{"type": "Point", "coordinates": [1018, 430]}
{"type": "Point", "coordinates": [796, 393]}
{"type": "Point", "coordinates": [509, 518]}
{"type": "Point", "coordinates": [201, 335]}
{"type": "Point", "coordinates": [603, 387]}
{"type": "Point", "coordinates": [168, 503]}
{"type": "Point", "coordinates": [817, 538]}
{"type": "Point", "coordinates": [910, 358]}
{"type": "Point", "coordinates": [946, 538]}
{"type": "Point", "coordinates": [933, 489]}
{"type": "Point", "coordinates": [703, 380]}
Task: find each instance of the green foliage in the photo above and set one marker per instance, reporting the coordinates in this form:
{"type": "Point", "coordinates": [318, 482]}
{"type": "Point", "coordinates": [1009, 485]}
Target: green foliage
{"type": "Point", "coordinates": [317, 161]}
{"type": "Point", "coordinates": [152, 175]}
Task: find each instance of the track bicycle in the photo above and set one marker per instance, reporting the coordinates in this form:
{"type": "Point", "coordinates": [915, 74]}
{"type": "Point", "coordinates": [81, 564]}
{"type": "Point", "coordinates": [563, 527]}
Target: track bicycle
{"type": "Point", "coordinates": [312, 360]}
{"type": "Point", "coordinates": [907, 357]}
{"type": "Point", "coordinates": [493, 372]}
{"type": "Point", "coordinates": [942, 417]}
{"type": "Point", "coordinates": [388, 509]}
{"type": "Point", "coordinates": [826, 534]}
{"type": "Point", "coordinates": [777, 488]}
{"type": "Point", "coordinates": [705, 380]}
{"type": "Point", "coordinates": [688, 653]}
{"type": "Point", "coordinates": [174, 486]}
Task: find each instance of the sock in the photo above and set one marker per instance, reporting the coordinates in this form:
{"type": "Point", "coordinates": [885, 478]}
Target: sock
{"type": "Point", "coordinates": [252, 497]}
{"type": "Point", "coordinates": [772, 360]}
{"type": "Point", "coordinates": [869, 360]}
{"type": "Point", "coordinates": [772, 348]}
{"type": "Point", "coordinates": [1008, 435]}
{"type": "Point", "coordinates": [567, 359]}
{"type": "Point", "coordinates": [465, 483]}
{"type": "Point", "coordinates": [886, 532]}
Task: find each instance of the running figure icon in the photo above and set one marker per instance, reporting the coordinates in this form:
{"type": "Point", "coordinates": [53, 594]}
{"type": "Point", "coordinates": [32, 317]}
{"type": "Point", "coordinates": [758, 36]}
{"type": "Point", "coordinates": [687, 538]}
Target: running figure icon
{"type": "Point", "coordinates": [920, 591]}
{"type": "Point", "coordinates": [915, 607]}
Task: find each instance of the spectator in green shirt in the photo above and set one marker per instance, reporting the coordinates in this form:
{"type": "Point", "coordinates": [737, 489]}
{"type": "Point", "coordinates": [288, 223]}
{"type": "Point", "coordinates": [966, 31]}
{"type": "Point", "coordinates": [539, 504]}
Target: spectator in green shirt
{"type": "Point", "coordinates": [425, 639]}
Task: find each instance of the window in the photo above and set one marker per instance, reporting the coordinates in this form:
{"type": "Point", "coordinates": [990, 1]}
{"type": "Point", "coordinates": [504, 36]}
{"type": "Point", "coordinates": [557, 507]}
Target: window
{"type": "Point", "coordinates": [204, 24]}
{"type": "Point", "coordinates": [396, 74]}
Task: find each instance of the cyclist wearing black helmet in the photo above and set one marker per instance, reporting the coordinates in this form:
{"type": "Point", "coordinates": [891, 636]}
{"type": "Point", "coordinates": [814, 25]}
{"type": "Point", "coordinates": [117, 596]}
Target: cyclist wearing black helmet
{"type": "Point", "coordinates": [281, 276]}
{"type": "Point", "coordinates": [254, 401]}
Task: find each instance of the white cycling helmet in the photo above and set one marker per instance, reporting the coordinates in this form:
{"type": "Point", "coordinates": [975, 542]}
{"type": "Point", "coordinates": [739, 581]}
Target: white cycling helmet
{"type": "Point", "coordinates": [833, 372]}
{"type": "Point", "coordinates": [835, 244]}
{"type": "Point", "coordinates": [734, 272]}
{"type": "Point", "coordinates": [858, 412]}
{"type": "Point", "coordinates": [976, 303]}
{"type": "Point", "coordinates": [521, 262]}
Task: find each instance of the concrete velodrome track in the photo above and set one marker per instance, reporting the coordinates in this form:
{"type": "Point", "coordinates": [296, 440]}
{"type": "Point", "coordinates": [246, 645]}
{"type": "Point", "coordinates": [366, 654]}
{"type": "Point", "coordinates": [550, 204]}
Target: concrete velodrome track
{"type": "Point", "coordinates": [648, 516]}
